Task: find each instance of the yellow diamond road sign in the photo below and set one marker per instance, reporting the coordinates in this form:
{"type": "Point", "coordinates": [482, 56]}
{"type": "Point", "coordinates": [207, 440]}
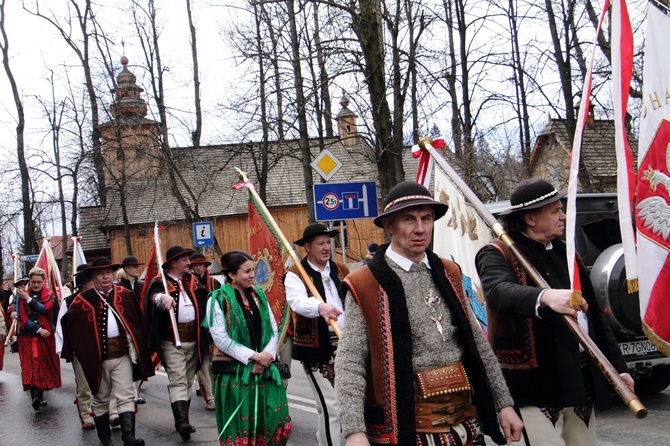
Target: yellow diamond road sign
{"type": "Point", "coordinates": [326, 164]}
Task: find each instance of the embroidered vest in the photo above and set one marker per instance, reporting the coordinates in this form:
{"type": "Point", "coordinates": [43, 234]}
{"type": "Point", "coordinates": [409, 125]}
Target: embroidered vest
{"type": "Point", "coordinates": [389, 405]}
{"type": "Point", "coordinates": [311, 338]}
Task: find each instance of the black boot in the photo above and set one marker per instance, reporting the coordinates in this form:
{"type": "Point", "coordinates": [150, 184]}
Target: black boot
{"type": "Point", "coordinates": [128, 430]}
{"type": "Point", "coordinates": [40, 395]}
{"type": "Point", "coordinates": [180, 412]}
{"type": "Point", "coordinates": [35, 398]}
{"type": "Point", "coordinates": [104, 431]}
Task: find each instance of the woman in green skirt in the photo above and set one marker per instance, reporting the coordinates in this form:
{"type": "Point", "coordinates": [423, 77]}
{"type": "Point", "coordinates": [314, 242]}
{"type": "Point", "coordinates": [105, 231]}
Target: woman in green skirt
{"type": "Point", "coordinates": [251, 406]}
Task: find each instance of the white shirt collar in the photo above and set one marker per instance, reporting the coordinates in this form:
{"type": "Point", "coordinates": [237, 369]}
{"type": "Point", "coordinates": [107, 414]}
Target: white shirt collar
{"type": "Point", "coordinates": [325, 270]}
{"type": "Point", "coordinates": [404, 262]}
{"type": "Point", "coordinates": [547, 245]}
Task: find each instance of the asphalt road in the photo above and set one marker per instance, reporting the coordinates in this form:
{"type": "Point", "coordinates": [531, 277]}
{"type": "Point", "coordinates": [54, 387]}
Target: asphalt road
{"type": "Point", "coordinates": [58, 424]}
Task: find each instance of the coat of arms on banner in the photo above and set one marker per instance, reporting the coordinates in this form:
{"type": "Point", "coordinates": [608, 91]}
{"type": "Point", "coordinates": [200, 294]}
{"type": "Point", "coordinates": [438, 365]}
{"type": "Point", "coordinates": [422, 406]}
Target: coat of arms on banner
{"type": "Point", "coordinates": [265, 276]}
{"type": "Point", "coordinates": [653, 208]}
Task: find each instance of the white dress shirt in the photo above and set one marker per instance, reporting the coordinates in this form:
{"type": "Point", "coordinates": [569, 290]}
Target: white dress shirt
{"type": "Point", "coordinates": [301, 303]}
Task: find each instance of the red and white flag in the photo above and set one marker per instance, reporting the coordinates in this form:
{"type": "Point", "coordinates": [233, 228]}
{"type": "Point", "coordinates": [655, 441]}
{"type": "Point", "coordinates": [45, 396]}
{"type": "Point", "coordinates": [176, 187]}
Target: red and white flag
{"type": "Point", "coordinates": [47, 261]}
{"type": "Point", "coordinates": [653, 186]}
{"type": "Point", "coordinates": [622, 69]}
{"type": "Point", "coordinates": [78, 257]}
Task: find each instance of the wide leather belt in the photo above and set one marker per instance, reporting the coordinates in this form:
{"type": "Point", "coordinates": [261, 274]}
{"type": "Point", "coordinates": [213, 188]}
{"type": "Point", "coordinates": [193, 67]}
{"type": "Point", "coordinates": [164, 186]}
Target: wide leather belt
{"type": "Point", "coordinates": [187, 331]}
{"type": "Point", "coordinates": [115, 348]}
{"type": "Point", "coordinates": [442, 399]}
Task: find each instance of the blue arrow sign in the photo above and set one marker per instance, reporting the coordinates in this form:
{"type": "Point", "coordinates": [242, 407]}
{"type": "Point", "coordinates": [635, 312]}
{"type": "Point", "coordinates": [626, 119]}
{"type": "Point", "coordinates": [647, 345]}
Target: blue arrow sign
{"type": "Point", "coordinates": [31, 258]}
{"type": "Point", "coordinates": [345, 201]}
{"type": "Point", "coordinates": [203, 233]}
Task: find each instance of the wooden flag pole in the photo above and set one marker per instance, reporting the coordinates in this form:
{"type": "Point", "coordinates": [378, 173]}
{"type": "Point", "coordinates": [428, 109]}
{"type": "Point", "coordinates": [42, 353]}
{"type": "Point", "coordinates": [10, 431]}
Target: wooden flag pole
{"type": "Point", "coordinates": [629, 397]}
{"type": "Point", "coordinates": [287, 246]}
{"type": "Point", "coordinates": [15, 323]}
{"type": "Point", "coordinates": [159, 262]}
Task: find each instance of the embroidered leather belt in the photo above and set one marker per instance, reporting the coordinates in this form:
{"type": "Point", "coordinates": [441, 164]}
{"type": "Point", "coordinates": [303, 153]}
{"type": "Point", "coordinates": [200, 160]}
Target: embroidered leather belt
{"type": "Point", "coordinates": [115, 348]}
{"type": "Point", "coordinates": [218, 355]}
{"type": "Point", "coordinates": [187, 331]}
{"type": "Point", "coordinates": [442, 399]}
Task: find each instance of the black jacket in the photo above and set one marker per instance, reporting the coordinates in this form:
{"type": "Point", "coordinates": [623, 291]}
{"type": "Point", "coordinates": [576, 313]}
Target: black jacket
{"type": "Point", "coordinates": [539, 356]}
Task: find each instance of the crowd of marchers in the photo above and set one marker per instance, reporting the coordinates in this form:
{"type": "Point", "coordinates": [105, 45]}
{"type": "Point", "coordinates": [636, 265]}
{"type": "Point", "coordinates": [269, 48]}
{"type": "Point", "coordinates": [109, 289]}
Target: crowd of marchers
{"type": "Point", "coordinates": [392, 351]}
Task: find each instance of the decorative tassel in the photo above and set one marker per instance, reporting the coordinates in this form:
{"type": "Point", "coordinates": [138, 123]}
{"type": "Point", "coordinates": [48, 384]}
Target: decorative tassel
{"type": "Point", "coordinates": [633, 285]}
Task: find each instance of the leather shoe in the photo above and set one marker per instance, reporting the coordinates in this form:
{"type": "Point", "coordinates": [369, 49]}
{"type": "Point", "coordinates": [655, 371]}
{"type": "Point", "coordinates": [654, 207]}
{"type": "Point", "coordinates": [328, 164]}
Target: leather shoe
{"type": "Point", "coordinates": [114, 422]}
{"type": "Point", "coordinates": [88, 426]}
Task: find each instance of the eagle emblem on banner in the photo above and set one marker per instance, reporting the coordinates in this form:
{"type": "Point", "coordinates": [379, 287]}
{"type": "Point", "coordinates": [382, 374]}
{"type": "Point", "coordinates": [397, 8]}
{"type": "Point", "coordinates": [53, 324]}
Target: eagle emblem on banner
{"type": "Point", "coordinates": [653, 208]}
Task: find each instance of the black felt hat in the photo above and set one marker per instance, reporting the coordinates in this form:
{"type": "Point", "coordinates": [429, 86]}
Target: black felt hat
{"type": "Point", "coordinates": [409, 194]}
{"type": "Point", "coordinates": [174, 253]}
{"type": "Point", "coordinates": [314, 229]}
{"type": "Point", "coordinates": [533, 193]}
{"type": "Point", "coordinates": [99, 264]}
{"type": "Point", "coordinates": [21, 281]}
{"type": "Point", "coordinates": [80, 278]}
{"type": "Point", "coordinates": [199, 258]}
{"type": "Point", "coordinates": [130, 261]}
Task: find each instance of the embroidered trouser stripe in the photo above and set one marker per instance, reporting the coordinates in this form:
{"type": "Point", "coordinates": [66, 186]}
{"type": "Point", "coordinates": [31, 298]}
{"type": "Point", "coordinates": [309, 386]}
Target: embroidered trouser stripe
{"type": "Point", "coordinates": [328, 407]}
{"type": "Point", "coordinates": [569, 429]}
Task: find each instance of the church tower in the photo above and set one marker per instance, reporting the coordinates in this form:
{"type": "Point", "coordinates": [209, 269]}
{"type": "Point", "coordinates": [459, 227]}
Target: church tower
{"type": "Point", "coordinates": [347, 128]}
{"type": "Point", "coordinates": [130, 141]}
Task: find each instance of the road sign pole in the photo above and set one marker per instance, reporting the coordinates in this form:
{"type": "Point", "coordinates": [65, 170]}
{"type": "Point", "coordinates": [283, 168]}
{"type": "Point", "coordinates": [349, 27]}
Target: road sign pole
{"type": "Point", "coordinates": [366, 211]}
{"type": "Point", "coordinates": [342, 241]}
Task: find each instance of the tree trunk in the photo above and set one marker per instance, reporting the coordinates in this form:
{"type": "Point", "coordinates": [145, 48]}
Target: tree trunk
{"type": "Point", "coordinates": [303, 141]}
{"type": "Point", "coordinates": [29, 242]}
{"type": "Point", "coordinates": [388, 147]}
{"type": "Point", "coordinates": [196, 79]}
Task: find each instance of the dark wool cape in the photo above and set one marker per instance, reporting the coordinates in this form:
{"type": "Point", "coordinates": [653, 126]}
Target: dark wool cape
{"type": "Point", "coordinates": [81, 334]}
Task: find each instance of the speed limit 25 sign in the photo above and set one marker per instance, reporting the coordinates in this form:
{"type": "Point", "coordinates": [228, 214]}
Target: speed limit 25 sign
{"type": "Point", "coordinates": [345, 201]}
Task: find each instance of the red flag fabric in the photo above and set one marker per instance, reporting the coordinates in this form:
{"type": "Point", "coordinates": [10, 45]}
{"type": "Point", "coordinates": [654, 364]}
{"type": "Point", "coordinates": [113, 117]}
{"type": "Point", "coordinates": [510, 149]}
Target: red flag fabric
{"type": "Point", "coordinates": [150, 272]}
{"type": "Point", "coordinates": [266, 250]}
{"type": "Point", "coordinates": [47, 262]}
{"type": "Point", "coordinates": [653, 186]}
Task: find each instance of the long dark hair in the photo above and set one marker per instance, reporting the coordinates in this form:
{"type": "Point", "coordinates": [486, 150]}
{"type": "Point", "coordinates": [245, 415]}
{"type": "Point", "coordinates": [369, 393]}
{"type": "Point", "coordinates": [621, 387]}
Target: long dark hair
{"type": "Point", "coordinates": [232, 261]}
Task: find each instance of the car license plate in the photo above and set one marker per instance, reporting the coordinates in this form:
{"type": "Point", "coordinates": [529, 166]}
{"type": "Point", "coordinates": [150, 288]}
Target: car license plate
{"type": "Point", "coordinates": [637, 348]}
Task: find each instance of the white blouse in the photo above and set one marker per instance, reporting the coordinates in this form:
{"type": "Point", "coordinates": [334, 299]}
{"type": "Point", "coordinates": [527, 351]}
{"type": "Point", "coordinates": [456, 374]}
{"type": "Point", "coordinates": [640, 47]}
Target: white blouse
{"type": "Point", "coordinates": [226, 344]}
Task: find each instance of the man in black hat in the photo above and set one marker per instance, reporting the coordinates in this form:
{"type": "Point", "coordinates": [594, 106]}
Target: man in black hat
{"type": "Point", "coordinates": [80, 283]}
{"type": "Point", "coordinates": [552, 380]}
{"type": "Point", "coordinates": [109, 316]}
{"type": "Point", "coordinates": [314, 342]}
{"type": "Point", "coordinates": [132, 282]}
{"type": "Point", "coordinates": [413, 366]}
{"type": "Point", "coordinates": [188, 299]}
{"type": "Point", "coordinates": [131, 266]}
{"type": "Point", "coordinates": [199, 268]}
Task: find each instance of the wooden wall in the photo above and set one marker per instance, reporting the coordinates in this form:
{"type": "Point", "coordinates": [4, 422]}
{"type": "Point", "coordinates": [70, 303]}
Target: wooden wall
{"type": "Point", "coordinates": [231, 232]}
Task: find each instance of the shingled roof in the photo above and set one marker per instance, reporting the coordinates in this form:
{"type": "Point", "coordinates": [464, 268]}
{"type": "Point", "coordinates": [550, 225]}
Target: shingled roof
{"type": "Point", "coordinates": [598, 154]}
{"type": "Point", "coordinates": [209, 172]}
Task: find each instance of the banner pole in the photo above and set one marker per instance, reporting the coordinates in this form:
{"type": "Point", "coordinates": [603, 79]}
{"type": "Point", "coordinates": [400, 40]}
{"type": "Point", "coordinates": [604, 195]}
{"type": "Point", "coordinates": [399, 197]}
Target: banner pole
{"type": "Point", "coordinates": [287, 246]}
{"type": "Point", "coordinates": [633, 402]}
